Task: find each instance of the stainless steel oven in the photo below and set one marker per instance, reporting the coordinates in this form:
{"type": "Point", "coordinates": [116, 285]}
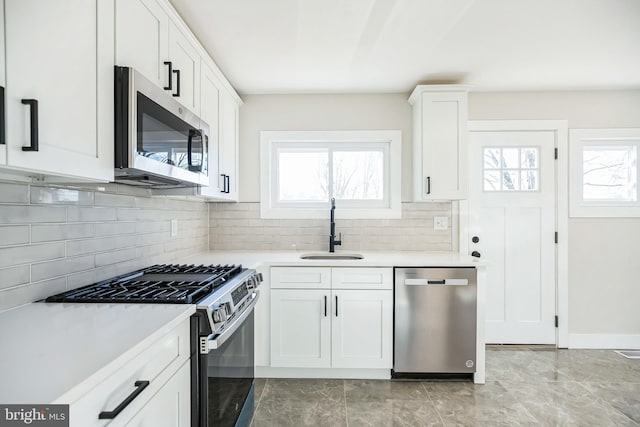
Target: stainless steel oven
{"type": "Point", "coordinates": [222, 331]}
{"type": "Point", "coordinates": [158, 142]}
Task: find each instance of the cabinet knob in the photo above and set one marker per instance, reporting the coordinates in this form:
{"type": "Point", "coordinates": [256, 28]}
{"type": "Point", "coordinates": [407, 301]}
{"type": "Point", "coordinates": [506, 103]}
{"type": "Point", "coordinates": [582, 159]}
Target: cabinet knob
{"type": "Point", "coordinates": [475, 239]}
{"type": "Point", "coordinates": [475, 254]}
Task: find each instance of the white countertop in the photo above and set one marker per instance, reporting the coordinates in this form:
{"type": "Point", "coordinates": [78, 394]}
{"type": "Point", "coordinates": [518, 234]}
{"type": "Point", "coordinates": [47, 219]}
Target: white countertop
{"type": "Point", "coordinates": [256, 259]}
{"type": "Point", "coordinates": [57, 350]}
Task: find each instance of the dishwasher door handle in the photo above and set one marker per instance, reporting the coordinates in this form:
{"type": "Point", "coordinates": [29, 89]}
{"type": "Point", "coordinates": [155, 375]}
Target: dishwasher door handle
{"type": "Point", "coordinates": [447, 282]}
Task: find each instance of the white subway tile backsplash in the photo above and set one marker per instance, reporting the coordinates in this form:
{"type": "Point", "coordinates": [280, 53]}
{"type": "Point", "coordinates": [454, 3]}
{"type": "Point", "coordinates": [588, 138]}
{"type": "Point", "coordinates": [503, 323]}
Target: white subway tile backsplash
{"type": "Point", "coordinates": [14, 276]}
{"type": "Point", "coordinates": [14, 235]}
{"type": "Point", "coordinates": [238, 226]}
{"type": "Point", "coordinates": [13, 193]}
{"type": "Point", "coordinates": [60, 196]}
{"type": "Point", "coordinates": [114, 228]}
{"type": "Point", "coordinates": [57, 237]}
{"type": "Point", "coordinates": [16, 255]}
{"type": "Point", "coordinates": [52, 232]}
{"type": "Point", "coordinates": [29, 214]}
{"type": "Point", "coordinates": [61, 267]}
{"type": "Point", "coordinates": [35, 291]}
{"type": "Point", "coordinates": [91, 214]}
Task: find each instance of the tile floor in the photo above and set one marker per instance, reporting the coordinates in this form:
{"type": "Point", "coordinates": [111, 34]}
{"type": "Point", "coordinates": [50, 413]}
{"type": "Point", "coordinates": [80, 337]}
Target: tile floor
{"type": "Point", "coordinates": [524, 388]}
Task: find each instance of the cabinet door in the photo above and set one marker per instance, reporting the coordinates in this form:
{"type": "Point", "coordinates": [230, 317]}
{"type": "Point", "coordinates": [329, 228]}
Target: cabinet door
{"type": "Point", "coordinates": [186, 61]}
{"type": "Point", "coordinates": [444, 146]}
{"type": "Point", "coordinates": [229, 145]}
{"type": "Point", "coordinates": [171, 406]}
{"type": "Point", "coordinates": [3, 135]}
{"type": "Point", "coordinates": [66, 64]}
{"type": "Point", "coordinates": [210, 88]}
{"type": "Point", "coordinates": [362, 329]}
{"type": "Point", "coordinates": [300, 328]}
{"type": "Point", "coordinates": [142, 39]}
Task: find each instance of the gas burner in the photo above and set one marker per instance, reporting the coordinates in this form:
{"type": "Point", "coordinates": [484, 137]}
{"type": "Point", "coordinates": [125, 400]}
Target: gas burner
{"type": "Point", "coordinates": [158, 284]}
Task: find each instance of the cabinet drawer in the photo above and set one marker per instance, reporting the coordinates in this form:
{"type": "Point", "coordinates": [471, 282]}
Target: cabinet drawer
{"type": "Point", "coordinates": [166, 354]}
{"type": "Point", "coordinates": [301, 278]}
{"type": "Point", "coordinates": [362, 278]}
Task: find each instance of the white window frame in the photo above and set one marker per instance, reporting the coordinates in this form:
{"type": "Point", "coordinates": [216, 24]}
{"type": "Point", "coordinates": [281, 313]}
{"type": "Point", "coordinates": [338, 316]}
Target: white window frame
{"type": "Point", "coordinates": [389, 141]}
{"type": "Point", "coordinates": [578, 140]}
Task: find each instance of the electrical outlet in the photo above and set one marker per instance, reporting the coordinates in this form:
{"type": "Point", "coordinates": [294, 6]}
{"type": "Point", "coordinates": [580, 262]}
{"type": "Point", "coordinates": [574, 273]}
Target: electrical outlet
{"type": "Point", "coordinates": [440, 222]}
{"type": "Point", "coordinates": [174, 227]}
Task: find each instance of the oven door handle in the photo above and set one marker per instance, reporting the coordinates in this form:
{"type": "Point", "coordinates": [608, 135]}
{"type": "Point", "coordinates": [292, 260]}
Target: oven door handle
{"type": "Point", "coordinates": [217, 342]}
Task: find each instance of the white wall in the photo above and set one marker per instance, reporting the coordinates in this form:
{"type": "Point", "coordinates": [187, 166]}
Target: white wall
{"type": "Point", "coordinates": [604, 271]}
{"type": "Point", "coordinates": [318, 112]}
{"type": "Point", "coordinates": [604, 284]}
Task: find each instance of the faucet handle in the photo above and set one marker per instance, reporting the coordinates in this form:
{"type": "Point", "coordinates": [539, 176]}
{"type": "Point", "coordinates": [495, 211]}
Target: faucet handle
{"type": "Point", "coordinates": [339, 241]}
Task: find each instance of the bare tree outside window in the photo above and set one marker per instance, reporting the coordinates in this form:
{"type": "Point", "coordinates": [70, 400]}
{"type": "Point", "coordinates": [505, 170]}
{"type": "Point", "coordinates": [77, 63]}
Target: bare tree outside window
{"type": "Point", "coordinates": [511, 169]}
{"type": "Point", "coordinates": [610, 173]}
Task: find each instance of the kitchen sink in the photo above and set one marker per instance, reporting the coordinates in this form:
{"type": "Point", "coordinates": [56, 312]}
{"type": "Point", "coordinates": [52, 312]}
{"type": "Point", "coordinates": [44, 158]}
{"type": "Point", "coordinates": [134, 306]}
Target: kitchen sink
{"type": "Point", "coordinates": [331, 256]}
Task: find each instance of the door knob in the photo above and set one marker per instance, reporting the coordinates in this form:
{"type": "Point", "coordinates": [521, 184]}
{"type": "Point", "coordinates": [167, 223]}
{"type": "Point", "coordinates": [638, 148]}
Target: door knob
{"type": "Point", "coordinates": [475, 239]}
{"type": "Point", "coordinates": [475, 254]}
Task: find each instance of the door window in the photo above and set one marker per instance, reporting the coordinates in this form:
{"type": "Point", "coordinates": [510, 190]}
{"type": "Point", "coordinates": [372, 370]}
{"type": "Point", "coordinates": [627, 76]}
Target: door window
{"type": "Point", "coordinates": [511, 169]}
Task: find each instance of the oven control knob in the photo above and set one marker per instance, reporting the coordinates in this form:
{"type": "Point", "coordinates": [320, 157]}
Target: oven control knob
{"type": "Point", "coordinates": [220, 314]}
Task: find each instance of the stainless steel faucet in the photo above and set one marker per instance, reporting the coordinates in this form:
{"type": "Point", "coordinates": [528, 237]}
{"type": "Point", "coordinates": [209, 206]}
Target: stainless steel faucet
{"type": "Point", "coordinates": [332, 237]}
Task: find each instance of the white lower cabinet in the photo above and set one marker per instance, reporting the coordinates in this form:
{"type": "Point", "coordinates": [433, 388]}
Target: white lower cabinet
{"type": "Point", "coordinates": [170, 406]}
{"type": "Point", "coordinates": [150, 389]}
{"type": "Point", "coordinates": [331, 327]}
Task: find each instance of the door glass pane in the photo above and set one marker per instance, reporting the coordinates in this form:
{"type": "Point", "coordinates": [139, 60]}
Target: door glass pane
{"type": "Point", "coordinates": [529, 180]}
{"type": "Point", "coordinates": [492, 181]}
{"type": "Point", "coordinates": [610, 173]}
{"type": "Point", "coordinates": [491, 158]}
{"type": "Point", "coordinates": [529, 158]}
{"type": "Point", "coordinates": [510, 158]}
{"type": "Point", "coordinates": [302, 176]}
{"type": "Point", "coordinates": [358, 175]}
{"type": "Point", "coordinates": [510, 180]}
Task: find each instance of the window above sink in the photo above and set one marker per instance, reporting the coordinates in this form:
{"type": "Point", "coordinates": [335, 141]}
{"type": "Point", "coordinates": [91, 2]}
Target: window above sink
{"type": "Point", "coordinates": [302, 170]}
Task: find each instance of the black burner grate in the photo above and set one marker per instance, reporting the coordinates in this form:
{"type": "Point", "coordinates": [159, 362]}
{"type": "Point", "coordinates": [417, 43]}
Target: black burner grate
{"type": "Point", "coordinates": [164, 284]}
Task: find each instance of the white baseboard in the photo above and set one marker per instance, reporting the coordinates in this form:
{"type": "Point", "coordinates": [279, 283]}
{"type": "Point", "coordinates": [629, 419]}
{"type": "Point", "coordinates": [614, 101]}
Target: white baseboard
{"type": "Point", "coordinates": [605, 341]}
{"type": "Point", "coordinates": [334, 373]}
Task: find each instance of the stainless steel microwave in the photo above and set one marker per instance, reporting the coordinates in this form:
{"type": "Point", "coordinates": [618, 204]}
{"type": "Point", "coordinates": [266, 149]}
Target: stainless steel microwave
{"type": "Point", "coordinates": [158, 142]}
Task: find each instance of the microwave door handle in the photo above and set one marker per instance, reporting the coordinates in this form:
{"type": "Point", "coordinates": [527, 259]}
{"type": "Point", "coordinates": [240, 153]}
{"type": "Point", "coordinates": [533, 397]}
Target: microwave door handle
{"type": "Point", "coordinates": [193, 133]}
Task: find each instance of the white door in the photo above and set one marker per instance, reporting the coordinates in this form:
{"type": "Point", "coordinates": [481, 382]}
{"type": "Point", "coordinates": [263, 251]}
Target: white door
{"type": "Point", "coordinates": [512, 227]}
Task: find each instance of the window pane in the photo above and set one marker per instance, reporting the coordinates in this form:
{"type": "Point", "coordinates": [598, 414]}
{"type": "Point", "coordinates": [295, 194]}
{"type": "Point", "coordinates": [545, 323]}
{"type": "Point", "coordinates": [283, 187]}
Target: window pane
{"type": "Point", "coordinates": [492, 181]}
{"type": "Point", "coordinates": [610, 173]}
{"type": "Point", "coordinates": [529, 180]}
{"type": "Point", "coordinates": [510, 181]}
{"type": "Point", "coordinates": [529, 158]}
{"type": "Point", "coordinates": [358, 175]}
{"type": "Point", "coordinates": [491, 158]}
{"type": "Point", "coordinates": [510, 158]}
{"type": "Point", "coordinates": [302, 176]}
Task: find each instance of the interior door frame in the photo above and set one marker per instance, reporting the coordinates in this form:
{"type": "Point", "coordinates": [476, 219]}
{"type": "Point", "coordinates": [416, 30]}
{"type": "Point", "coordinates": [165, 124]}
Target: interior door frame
{"type": "Point", "coordinates": [561, 130]}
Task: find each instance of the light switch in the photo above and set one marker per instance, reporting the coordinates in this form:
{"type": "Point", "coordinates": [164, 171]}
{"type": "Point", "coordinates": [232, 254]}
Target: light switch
{"type": "Point", "coordinates": [440, 222]}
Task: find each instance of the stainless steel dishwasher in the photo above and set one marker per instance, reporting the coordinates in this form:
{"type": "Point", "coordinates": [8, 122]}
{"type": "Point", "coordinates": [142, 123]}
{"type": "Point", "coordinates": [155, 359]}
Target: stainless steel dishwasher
{"type": "Point", "coordinates": [434, 321]}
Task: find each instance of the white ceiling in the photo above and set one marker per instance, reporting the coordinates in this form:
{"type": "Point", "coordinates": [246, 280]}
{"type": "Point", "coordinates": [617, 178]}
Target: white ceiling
{"type": "Point", "coordinates": [316, 46]}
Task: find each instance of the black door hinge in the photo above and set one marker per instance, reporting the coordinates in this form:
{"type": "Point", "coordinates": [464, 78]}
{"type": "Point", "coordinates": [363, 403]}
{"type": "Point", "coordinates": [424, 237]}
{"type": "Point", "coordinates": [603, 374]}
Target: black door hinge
{"type": "Point", "coordinates": [556, 321]}
{"type": "Point", "coordinates": [556, 237]}
{"type": "Point", "coordinates": [555, 153]}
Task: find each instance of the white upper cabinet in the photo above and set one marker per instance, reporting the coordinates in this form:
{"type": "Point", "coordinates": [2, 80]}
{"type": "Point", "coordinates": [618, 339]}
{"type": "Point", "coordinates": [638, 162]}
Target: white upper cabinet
{"type": "Point", "coordinates": [185, 61]}
{"type": "Point", "coordinates": [440, 142]}
{"type": "Point", "coordinates": [59, 87]}
{"type": "Point", "coordinates": [142, 39]}
{"type": "Point", "coordinates": [3, 134]}
{"type": "Point", "coordinates": [228, 152]}
{"type": "Point", "coordinates": [149, 40]}
{"type": "Point", "coordinates": [210, 95]}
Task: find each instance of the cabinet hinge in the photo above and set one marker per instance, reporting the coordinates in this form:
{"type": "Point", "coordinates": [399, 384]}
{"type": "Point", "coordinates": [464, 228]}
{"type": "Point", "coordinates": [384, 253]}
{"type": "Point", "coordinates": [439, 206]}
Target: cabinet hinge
{"type": "Point", "coordinates": [556, 321]}
{"type": "Point", "coordinates": [555, 153]}
{"type": "Point", "coordinates": [556, 237]}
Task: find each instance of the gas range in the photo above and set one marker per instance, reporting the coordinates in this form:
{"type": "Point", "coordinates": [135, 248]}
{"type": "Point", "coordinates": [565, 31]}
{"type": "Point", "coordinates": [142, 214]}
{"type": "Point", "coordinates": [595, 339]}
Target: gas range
{"type": "Point", "coordinates": [222, 330]}
{"type": "Point", "coordinates": [220, 292]}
